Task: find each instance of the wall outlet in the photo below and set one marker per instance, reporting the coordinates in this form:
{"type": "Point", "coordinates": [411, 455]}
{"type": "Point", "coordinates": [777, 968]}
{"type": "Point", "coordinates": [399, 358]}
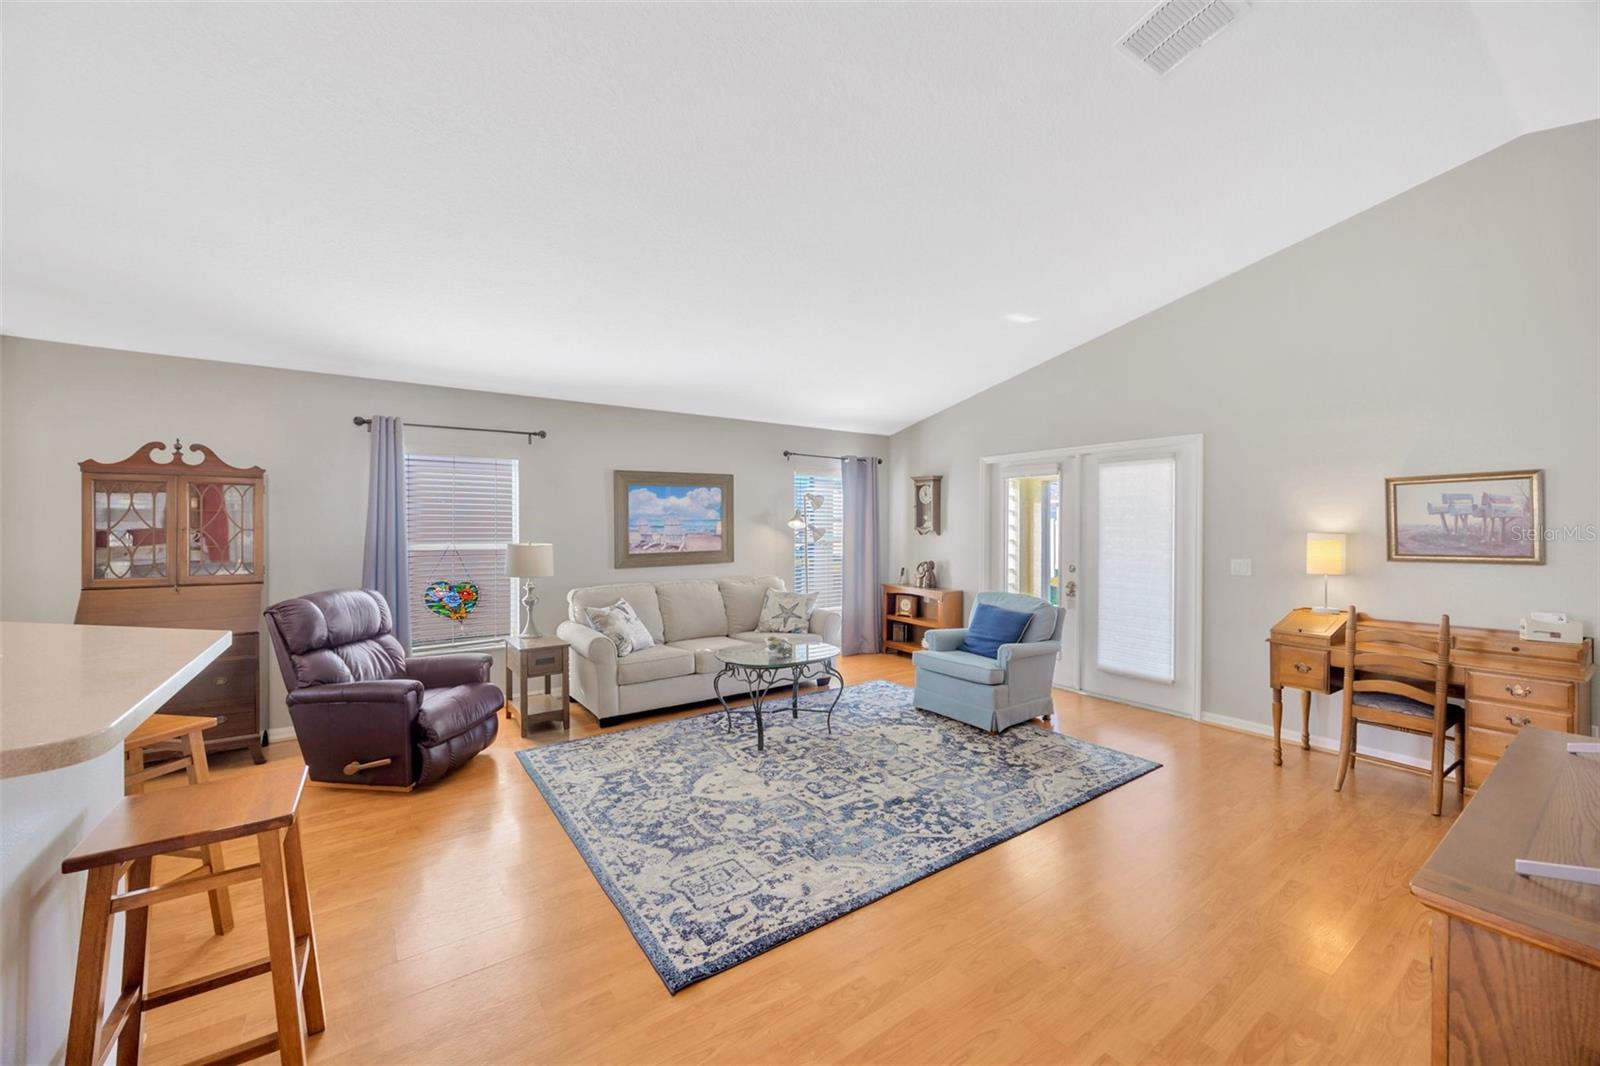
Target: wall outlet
{"type": "Point", "coordinates": [1239, 567]}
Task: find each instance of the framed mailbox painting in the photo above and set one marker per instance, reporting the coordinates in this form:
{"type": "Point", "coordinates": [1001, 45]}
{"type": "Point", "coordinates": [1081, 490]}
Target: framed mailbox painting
{"type": "Point", "coordinates": [664, 519]}
{"type": "Point", "coordinates": [1467, 518]}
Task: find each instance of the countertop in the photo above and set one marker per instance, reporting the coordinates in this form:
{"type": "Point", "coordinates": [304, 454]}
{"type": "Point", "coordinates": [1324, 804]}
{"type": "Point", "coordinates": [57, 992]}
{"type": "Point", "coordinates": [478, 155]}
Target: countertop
{"type": "Point", "coordinates": [69, 693]}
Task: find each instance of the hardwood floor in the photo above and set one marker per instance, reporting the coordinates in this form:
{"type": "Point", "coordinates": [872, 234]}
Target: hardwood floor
{"type": "Point", "coordinates": [1220, 909]}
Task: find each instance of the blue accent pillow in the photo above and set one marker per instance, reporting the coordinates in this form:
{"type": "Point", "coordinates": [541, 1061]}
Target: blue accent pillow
{"type": "Point", "coordinates": [993, 626]}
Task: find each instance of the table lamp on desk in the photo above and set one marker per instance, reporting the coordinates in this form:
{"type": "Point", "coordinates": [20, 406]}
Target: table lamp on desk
{"type": "Point", "coordinates": [1325, 556]}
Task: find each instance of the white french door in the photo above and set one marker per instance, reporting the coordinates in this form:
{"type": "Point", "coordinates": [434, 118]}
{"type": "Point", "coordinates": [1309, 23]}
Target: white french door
{"type": "Point", "coordinates": [1036, 532]}
{"type": "Point", "coordinates": [1124, 562]}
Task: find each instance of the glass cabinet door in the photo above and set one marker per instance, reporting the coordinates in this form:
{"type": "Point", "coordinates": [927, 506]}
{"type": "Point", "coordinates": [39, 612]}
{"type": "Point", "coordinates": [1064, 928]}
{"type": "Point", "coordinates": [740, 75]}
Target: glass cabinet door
{"type": "Point", "coordinates": [129, 539]}
{"type": "Point", "coordinates": [220, 534]}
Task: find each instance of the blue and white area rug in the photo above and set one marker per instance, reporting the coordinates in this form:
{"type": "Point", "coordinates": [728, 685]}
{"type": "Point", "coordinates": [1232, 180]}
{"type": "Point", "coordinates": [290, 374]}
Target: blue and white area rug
{"type": "Point", "coordinates": [715, 852]}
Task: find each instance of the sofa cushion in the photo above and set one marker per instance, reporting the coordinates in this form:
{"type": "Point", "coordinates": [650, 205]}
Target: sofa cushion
{"type": "Point", "coordinates": [1042, 620]}
{"type": "Point", "coordinates": [655, 663]}
{"type": "Point", "coordinates": [619, 623]}
{"type": "Point", "coordinates": [705, 651]}
{"type": "Point", "coordinates": [960, 664]}
{"type": "Point", "coordinates": [691, 609]}
{"type": "Point", "coordinates": [641, 596]}
{"type": "Point", "coordinates": [786, 612]}
{"type": "Point", "coordinates": [449, 712]}
{"type": "Point", "coordinates": [742, 598]}
{"type": "Point", "coordinates": [993, 626]}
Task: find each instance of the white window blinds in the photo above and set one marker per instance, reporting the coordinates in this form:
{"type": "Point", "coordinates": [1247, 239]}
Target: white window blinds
{"type": "Point", "coordinates": [1135, 604]}
{"type": "Point", "coordinates": [819, 548]}
{"type": "Point", "coordinates": [460, 514]}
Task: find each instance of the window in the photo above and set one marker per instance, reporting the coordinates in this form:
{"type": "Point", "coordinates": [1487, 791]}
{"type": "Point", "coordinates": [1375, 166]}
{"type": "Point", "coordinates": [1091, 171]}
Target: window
{"type": "Point", "coordinates": [1033, 535]}
{"type": "Point", "coordinates": [819, 545]}
{"type": "Point", "coordinates": [1137, 631]}
{"type": "Point", "coordinates": [460, 514]}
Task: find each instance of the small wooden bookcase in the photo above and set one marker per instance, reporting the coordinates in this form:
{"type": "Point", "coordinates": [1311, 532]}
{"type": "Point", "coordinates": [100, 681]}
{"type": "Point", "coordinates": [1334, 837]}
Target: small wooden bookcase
{"type": "Point", "coordinates": [931, 609]}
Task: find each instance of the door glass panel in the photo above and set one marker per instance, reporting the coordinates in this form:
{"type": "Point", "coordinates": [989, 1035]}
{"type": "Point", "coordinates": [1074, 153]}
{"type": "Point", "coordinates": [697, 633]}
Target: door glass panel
{"type": "Point", "coordinates": [1033, 536]}
{"type": "Point", "coordinates": [221, 528]}
{"type": "Point", "coordinates": [1135, 600]}
{"type": "Point", "coordinates": [130, 529]}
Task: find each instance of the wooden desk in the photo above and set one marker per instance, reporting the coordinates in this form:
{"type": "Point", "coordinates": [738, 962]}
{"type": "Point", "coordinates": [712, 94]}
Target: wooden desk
{"type": "Point", "coordinates": [1516, 960]}
{"type": "Point", "coordinates": [1508, 682]}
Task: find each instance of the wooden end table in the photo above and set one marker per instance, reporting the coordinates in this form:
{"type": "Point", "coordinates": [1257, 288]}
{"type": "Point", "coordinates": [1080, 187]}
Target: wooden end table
{"type": "Point", "coordinates": [544, 657]}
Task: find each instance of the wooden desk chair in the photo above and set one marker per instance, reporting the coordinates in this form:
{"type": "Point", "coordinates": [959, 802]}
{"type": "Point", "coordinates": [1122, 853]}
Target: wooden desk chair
{"type": "Point", "coordinates": [259, 806]}
{"type": "Point", "coordinates": [1380, 688]}
{"type": "Point", "coordinates": [188, 731]}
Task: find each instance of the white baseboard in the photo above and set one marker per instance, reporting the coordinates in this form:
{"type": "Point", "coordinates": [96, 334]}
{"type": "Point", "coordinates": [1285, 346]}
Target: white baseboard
{"type": "Point", "coordinates": [1291, 739]}
{"type": "Point", "coordinates": [280, 733]}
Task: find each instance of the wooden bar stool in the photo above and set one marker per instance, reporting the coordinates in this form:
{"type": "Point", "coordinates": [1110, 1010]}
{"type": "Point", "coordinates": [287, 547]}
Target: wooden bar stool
{"type": "Point", "coordinates": [260, 805]}
{"type": "Point", "coordinates": [189, 732]}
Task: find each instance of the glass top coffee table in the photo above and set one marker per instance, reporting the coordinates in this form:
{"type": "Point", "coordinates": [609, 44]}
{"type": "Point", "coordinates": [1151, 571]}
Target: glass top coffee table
{"type": "Point", "coordinates": [761, 670]}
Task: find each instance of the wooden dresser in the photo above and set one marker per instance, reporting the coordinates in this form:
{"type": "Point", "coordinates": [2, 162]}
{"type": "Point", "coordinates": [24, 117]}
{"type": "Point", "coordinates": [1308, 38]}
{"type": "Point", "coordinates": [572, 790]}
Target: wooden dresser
{"type": "Point", "coordinates": [182, 545]}
{"type": "Point", "coordinates": [1508, 683]}
{"type": "Point", "coordinates": [1516, 960]}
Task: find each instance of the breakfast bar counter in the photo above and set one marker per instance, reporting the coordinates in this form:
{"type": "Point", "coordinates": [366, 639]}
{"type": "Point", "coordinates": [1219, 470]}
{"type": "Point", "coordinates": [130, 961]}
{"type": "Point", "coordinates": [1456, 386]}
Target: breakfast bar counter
{"type": "Point", "coordinates": [69, 694]}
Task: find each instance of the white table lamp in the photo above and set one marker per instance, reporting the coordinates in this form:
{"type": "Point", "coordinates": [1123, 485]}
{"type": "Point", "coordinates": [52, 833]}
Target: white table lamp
{"type": "Point", "coordinates": [1325, 556]}
{"type": "Point", "coordinates": [528, 561]}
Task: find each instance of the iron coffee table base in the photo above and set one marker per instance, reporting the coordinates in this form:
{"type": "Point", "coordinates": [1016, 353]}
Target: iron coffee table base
{"type": "Point", "coordinates": [761, 680]}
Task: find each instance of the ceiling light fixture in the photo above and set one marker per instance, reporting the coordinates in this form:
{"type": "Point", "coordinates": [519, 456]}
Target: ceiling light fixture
{"type": "Point", "coordinates": [1020, 319]}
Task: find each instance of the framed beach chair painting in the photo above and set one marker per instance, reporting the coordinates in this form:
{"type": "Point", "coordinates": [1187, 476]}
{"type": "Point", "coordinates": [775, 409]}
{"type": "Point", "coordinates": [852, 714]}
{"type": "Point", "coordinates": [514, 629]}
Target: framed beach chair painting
{"type": "Point", "coordinates": [1467, 518]}
{"type": "Point", "coordinates": [671, 519]}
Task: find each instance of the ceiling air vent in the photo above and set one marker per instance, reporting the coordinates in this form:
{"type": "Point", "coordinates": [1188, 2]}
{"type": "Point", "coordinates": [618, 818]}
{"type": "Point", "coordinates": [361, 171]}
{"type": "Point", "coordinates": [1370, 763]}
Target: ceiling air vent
{"type": "Point", "coordinates": [1176, 28]}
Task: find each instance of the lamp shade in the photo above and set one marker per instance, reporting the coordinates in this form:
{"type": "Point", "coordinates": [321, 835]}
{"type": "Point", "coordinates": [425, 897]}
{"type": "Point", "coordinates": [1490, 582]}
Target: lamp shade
{"type": "Point", "coordinates": [1325, 553]}
{"type": "Point", "coordinates": [530, 560]}
{"type": "Point", "coordinates": [798, 522]}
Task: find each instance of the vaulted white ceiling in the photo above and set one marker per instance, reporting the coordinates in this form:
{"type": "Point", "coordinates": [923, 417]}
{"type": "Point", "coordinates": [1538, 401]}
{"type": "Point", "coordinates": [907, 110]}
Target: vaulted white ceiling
{"type": "Point", "coordinates": [799, 213]}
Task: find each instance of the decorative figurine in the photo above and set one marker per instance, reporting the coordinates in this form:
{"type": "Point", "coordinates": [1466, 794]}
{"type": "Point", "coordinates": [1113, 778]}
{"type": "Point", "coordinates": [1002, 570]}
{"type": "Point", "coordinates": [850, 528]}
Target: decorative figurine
{"type": "Point", "coordinates": [926, 578]}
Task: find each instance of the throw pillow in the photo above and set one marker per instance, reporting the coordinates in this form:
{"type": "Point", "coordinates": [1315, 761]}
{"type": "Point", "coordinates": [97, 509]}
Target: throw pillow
{"type": "Point", "coordinates": [991, 627]}
{"type": "Point", "coordinates": [786, 612]}
{"type": "Point", "coordinates": [620, 624]}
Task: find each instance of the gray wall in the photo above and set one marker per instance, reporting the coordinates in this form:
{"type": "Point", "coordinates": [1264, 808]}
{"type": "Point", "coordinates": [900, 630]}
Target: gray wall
{"type": "Point", "coordinates": [63, 403]}
{"type": "Point", "coordinates": [1450, 329]}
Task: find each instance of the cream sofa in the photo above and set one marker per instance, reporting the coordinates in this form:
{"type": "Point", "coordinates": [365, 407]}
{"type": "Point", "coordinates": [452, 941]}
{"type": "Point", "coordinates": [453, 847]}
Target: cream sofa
{"type": "Point", "coordinates": [690, 621]}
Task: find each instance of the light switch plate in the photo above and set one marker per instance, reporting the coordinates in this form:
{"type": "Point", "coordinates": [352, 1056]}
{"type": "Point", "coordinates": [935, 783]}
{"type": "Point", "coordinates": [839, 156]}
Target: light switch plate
{"type": "Point", "coordinates": [1239, 567]}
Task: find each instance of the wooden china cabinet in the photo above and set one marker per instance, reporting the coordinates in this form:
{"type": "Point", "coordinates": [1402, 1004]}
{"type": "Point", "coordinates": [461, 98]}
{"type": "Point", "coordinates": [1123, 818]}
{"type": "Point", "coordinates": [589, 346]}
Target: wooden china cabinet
{"type": "Point", "coordinates": [175, 544]}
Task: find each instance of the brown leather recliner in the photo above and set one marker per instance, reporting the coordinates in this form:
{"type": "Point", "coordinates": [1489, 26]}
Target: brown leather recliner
{"type": "Point", "coordinates": [362, 712]}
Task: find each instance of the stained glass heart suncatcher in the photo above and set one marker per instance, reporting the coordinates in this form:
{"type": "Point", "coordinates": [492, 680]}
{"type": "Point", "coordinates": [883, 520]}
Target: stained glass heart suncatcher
{"type": "Point", "coordinates": [451, 599]}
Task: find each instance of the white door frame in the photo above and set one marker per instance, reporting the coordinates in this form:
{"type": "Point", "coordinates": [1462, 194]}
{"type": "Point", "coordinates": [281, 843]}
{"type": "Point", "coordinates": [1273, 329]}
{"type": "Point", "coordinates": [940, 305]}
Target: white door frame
{"type": "Point", "coordinates": [990, 468]}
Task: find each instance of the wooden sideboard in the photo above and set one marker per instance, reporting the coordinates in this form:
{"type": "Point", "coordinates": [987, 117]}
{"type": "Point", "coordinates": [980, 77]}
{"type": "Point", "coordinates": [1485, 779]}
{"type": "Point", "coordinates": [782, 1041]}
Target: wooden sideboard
{"type": "Point", "coordinates": [1516, 959]}
{"type": "Point", "coordinates": [930, 609]}
{"type": "Point", "coordinates": [1508, 683]}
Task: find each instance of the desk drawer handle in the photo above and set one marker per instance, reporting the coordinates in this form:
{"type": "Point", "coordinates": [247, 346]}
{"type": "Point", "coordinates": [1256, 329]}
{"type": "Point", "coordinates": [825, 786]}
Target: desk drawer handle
{"type": "Point", "coordinates": [1519, 690]}
{"type": "Point", "coordinates": [219, 682]}
{"type": "Point", "coordinates": [1302, 668]}
{"type": "Point", "coordinates": [1514, 720]}
{"type": "Point", "coordinates": [545, 661]}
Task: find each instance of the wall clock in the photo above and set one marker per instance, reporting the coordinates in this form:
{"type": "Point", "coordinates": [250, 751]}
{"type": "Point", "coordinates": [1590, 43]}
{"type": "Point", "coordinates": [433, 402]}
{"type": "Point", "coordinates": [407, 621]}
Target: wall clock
{"type": "Point", "coordinates": [926, 503]}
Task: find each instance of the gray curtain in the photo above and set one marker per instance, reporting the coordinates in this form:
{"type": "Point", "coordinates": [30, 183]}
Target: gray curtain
{"type": "Point", "coordinates": [383, 562]}
{"type": "Point", "coordinates": [863, 599]}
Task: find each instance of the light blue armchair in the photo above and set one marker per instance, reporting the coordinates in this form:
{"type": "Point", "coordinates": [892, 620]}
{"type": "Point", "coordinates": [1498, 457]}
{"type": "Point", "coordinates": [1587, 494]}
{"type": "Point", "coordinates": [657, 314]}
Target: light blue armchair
{"type": "Point", "coordinates": [993, 694]}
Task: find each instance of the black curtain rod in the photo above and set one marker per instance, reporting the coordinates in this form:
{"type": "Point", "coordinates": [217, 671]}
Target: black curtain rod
{"type": "Point", "coordinates": [841, 458]}
{"type": "Point", "coordinates": [529, 433]}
